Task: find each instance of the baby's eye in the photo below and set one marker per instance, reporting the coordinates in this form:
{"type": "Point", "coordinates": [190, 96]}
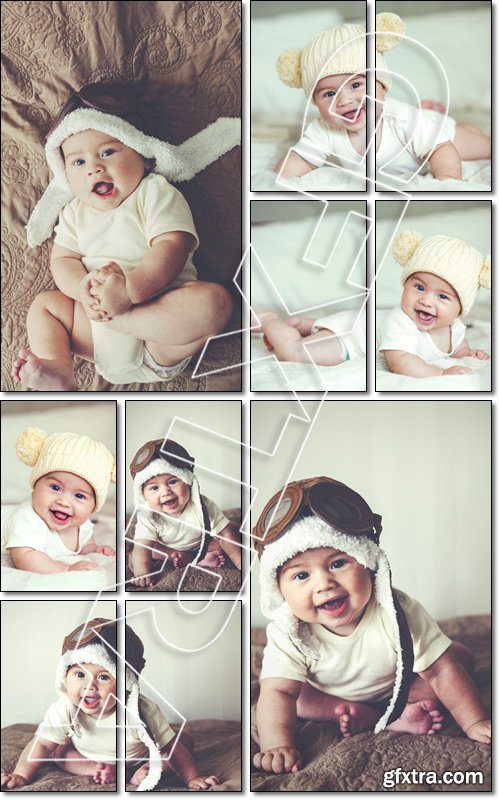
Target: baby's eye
{"type": "Point", "coordinates": [153, 487]}
{"type": "Point", "coordinates": [79, 496]}
{"type": "Point", "coordinates": [79, 674]}
{"type": "Point", "coordinates": [173, 482]}
{"type": "Point", "coordinates": [103, 677]}
{"type": "Point", "coordinates": [78, 162]}
{"type": "Point", "coordinates": [357, 84]}
{"type": "Point", "coordinates": [443, 297]}
{"type": "Point", "coordinates": [419, 287]}
{"type": "Point", "coordinates": [55, 487]}
{"type": "Point", "coordinates": [338, 563]}
{"type": "Point", "coordinates": [329, 93]}
{"type": "Point", "coordinates": [301, 576]}
{"type": "Point", "coordinates": [108, 152]}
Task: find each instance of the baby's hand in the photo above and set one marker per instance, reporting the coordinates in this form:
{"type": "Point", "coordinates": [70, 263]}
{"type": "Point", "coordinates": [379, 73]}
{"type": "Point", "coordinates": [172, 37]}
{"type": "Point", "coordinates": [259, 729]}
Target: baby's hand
{"type": "Point", "coordinates": [480, 731]}
{"type": "Point", "coordinates": [278, 759]}
{"type": "Point", "coordinates": [456, 371]}
{"type": "Point", "coordinates": [143, 580]}
{"type": "Point", "coordinates": [110, 289]}
{"type": "Point", "coordinates": [10, 780]}
{"type": "Point", "coordinates": [90, 304]}
{"type": "Point", "coordinates": [105, 550]}
{"type": "Point", "coordinates": [481, 354]}
{"type": "Point", "coordinates": [195, 784]}
{"type": "Point", "coordinates": [82, 565]}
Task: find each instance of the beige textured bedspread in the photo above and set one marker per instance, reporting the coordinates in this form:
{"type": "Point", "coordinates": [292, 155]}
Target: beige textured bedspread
{"type": "Point", "coordinates": [217, 751]}
{"type": "Point", "coordinates": [358, 764]}
{"type": "Point", "coordinates": [186, 58]}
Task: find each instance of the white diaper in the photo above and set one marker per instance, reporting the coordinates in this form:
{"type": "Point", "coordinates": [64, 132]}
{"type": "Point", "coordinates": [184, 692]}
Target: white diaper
{"type": "Point", "coordinates": [353, 340]}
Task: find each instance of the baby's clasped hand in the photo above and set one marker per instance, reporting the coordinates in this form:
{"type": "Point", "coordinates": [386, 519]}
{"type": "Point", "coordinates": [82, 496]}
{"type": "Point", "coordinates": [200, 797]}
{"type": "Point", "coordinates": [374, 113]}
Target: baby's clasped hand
{"type": "Point", "coordinates": [108, 289]}
{"type": "Point", "coordinates": [278, 760]}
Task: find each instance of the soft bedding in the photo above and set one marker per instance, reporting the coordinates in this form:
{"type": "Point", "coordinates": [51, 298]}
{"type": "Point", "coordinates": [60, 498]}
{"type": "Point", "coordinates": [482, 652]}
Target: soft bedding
{"type": "Point", "coordinates": [217, 751]}
{"type": "Point", "coordinates": [186, 59]}
{"type": "Point", "coordinates": [18, 580]}
{"type": "Point", "coordinates": [358, 764]}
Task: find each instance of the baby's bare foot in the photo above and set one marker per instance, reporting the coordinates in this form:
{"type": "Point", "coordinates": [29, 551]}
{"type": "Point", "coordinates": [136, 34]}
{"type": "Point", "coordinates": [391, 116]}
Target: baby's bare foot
{"type": "Point", "coordinates": [105, 773]}
{"type": "Point", "coordinates": [355, 718]}
{"type": "Point", "coordinates": [180, 558]}
{"type": "Point", "coordinates": [213, 558]}
{"type": "Point", "coordinates": [434, 105]}
{"type": "Point", "coordinates": [421, 717]}
{"type": "Point", "coordinates": [43, 374]}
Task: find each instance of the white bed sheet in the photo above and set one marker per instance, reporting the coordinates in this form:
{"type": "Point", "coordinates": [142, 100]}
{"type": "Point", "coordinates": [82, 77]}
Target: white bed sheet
{"type": "Point", "coordinates": [271, 375]}
{"type": "Point", "coordinates": [478, 380]}
{"type": "Point", "coordinates": [17, 580]}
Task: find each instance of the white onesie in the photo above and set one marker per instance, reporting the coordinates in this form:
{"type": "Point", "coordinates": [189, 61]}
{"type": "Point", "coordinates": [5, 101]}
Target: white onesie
{"type": "Point", "coordinates": [396, 331]}
{"type": "Point", "coordinates": [124, 235]}
{"type": "Point", "coordinates": [22, 527]}
{"type": "Point", "coordinates": [93, 738]}
{"type": "Point", "coordinates": [321, 144]}
{"type": "Point", "coordinates": [181, 533]}
{"type": "Point", "coordinates": [350, 327]}
{"type": "Point", "coordinates": [408, 135]}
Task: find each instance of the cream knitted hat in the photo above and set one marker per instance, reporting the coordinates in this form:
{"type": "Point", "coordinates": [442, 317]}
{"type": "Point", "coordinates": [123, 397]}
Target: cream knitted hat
{"type": "Point", "coordinates": [389, 30]}
{"type": "Point", "coordinates": [175, 163]}
{"type": "Point", "coordinates": [68, 452]}
{"type": "Point", "coordinates": [459, 264]}
{"type": "Point", "coordinates": [338, 51]}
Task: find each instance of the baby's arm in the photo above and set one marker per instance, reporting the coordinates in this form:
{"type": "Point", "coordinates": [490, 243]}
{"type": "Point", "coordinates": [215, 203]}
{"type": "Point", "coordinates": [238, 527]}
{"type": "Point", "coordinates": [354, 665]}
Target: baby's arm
{"type": "Point", "coordinates": [142, 561]}
{"type": "Point", "coordinates": [29, 763]}
{"type": "Point", "coordinates": [35, 561]}
{"type": "Point", "coordinates": [458, 692]}
{"type": "Point", "coordinates": [445, 162]}
{"type": "Point", "coordinates": [465, 350]}
{"type": "Point", "coordinates": [229, 541]}
{"type": "Point", "coordinates": [72, 279]}
{"type": "Point", "coordinates": [403, 363]}
{"type": "Point", "coordinates": [276, 716]}
{"type": "Point", "coordinates": [184, 765]}
{"type": "Point", "coordinates": [295, 166]}
{"type": "Point", "coordinates": [163, 262]}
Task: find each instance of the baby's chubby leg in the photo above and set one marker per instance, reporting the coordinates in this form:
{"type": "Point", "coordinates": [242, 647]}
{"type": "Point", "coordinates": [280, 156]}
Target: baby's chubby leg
{"type": "Point", "coordinates": [177, 324]}
{"type": "Point", "coordinates": [471, 143]}
{"type": "Point", "coordinates": [57, 326]}
{"type": "Point", "coordinates": [284, 337]}
{"type": "Point", "coordinates": [70, 760]}
{"type": "Point", "coordinates": [351, 717]}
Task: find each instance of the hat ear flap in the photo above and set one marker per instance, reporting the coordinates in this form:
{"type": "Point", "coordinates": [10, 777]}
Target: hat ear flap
{"type": "Point", "coordinates": [288, 67]}
{"type": "Point", "coordinates": [485, 274]}
{"type": "Point", "coordinates": [404, 246]}
{"type": "Point", "coordinates": [29, 445]}
{"type": "Point", "coordinates": [393, 26]}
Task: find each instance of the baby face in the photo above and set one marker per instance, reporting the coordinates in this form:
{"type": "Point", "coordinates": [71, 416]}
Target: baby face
{"type": "Point", "coordinates": [63, 500]}
{"type": "Point", "coordinates": [328, 587]}
{"type": "Point", "coordinates": [167, 493]}
{"type": "Point", "coordinates": [341, 101]}
{"type": "Point", "coordinates": [430, 301]}
{"type": "Point", "coordinates": [101, 171]}
{"type": "Point", "coordinates": [91, 688]}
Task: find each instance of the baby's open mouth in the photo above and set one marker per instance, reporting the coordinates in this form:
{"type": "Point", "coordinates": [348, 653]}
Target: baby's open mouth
{"type": "Point", "coordinates": [61, 516]}
{"type": "Point", "coordinates": [91, 702]}
{"type": "Point", "coordinates": [335, 604]}
{"type": "Point", "coordinates": [353, 115]}
{"type": "Point", "coordinates": [103, 188]}
{"type": "Point", "coordinates": [425, 316]}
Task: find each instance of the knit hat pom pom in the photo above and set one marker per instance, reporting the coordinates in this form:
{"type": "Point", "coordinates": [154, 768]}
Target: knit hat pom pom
{"type": "Point", "coordinates": [405, 245]}
{"type": "Point", "coordinates": [29, 445]}
{"type": "Point", "coordinates": [388, 23]}
{"type": "Point", "coordinates": [288, 67]}
{"type": "Point", "coordinates": [112, 477]}
{"type": "Point", "coordinates": [485, 274]}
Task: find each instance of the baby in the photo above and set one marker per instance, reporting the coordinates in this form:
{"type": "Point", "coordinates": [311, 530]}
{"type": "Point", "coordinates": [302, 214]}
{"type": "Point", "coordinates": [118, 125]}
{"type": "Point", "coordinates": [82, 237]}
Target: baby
{"type": "Point", "coordinates": [128, 297]}
{"type": "Point", "coordinates": [69, 481]}
{"type": "Point", "coordinates": [303, 340]}
{"type": "Point", "coordinates": [149, 736]}
{"type": "Point", "coordinates": [173, 516]}
{"type": "Point", "coordinates": [441, 277]}
{"type": "Point", "coordinates": [79, 730]}
{"type": "Point", "coordinates": [343, 646]}
{"type": "Point", "coordinates": [331, 71]}
{"type": "Point", "coordinates": [407, 136]}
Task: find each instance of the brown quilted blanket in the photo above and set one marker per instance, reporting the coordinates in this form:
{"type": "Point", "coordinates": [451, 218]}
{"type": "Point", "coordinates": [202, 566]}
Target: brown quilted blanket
{"type": "Point", "coordinates": [186, 58]}
{"type": "Point", "coordinates": [358, 764]}
{"type": "Point", "coordinates": [195, 580]}
{"type": "Point", "coordinates": [217, 751]}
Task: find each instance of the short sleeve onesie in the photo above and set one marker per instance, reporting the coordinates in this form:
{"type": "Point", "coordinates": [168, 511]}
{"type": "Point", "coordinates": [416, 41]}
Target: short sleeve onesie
{"type": "Point", "coordinates": [321, 144]}
{"type": "Point", "coordinates": [93, 738]}
{"type": "Point", "coordinates": [181, 533]}
{"type": "Point", "coordinates": [396, 331]}
{"type": "Point", "coordinates": [24, 528]}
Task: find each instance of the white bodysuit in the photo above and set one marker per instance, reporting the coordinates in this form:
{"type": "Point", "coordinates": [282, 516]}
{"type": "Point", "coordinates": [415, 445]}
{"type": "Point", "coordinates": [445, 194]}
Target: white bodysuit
{"type": "Point", "coordinates": [181, 533]}
{"type": "Point", "coordinates": [396, 331]}
{"type": "Point", "coordinates": [408, 135]}
{"type": "Point", "coordinates": [124, 235]}
{"type": "Point", "coordinates": [321, 145]}
{"type": "Point", "coordinates": [22, 527]}
{"type": "Point", "coordinates": [350, 327]}
{"type": "Point", "coordinates": [93, 738]}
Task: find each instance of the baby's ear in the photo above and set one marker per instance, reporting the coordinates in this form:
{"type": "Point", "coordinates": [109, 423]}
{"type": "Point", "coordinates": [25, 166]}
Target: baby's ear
{"type": "Point", "coordinates": [150, 164]}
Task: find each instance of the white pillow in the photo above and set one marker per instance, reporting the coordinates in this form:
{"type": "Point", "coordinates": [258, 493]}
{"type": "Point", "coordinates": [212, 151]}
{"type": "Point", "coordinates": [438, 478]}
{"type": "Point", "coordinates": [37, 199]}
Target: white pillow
{"type": "Point", "coordinates": [472, 225]}
{"type": "Point", "coordinates": [95, 420]}
{"type": "Point", "coordinates": [461, 41]}
{"type": "Point", "coordinates": [281, 247]}
{"type": "Point", "coordinates": [271, 99]}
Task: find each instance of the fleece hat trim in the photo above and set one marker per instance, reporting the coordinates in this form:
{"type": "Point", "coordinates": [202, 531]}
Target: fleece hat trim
{"type": "Point", "coordinates": [94, 653]}
{"type": "Point", "coordinates": [133, 710]}
{"type": "Point", "coordinates": [175, 163]}
{"type": "Point", "coordinates": [311, 533]}
{"type": "Point", "coordinates": [68, 452]}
